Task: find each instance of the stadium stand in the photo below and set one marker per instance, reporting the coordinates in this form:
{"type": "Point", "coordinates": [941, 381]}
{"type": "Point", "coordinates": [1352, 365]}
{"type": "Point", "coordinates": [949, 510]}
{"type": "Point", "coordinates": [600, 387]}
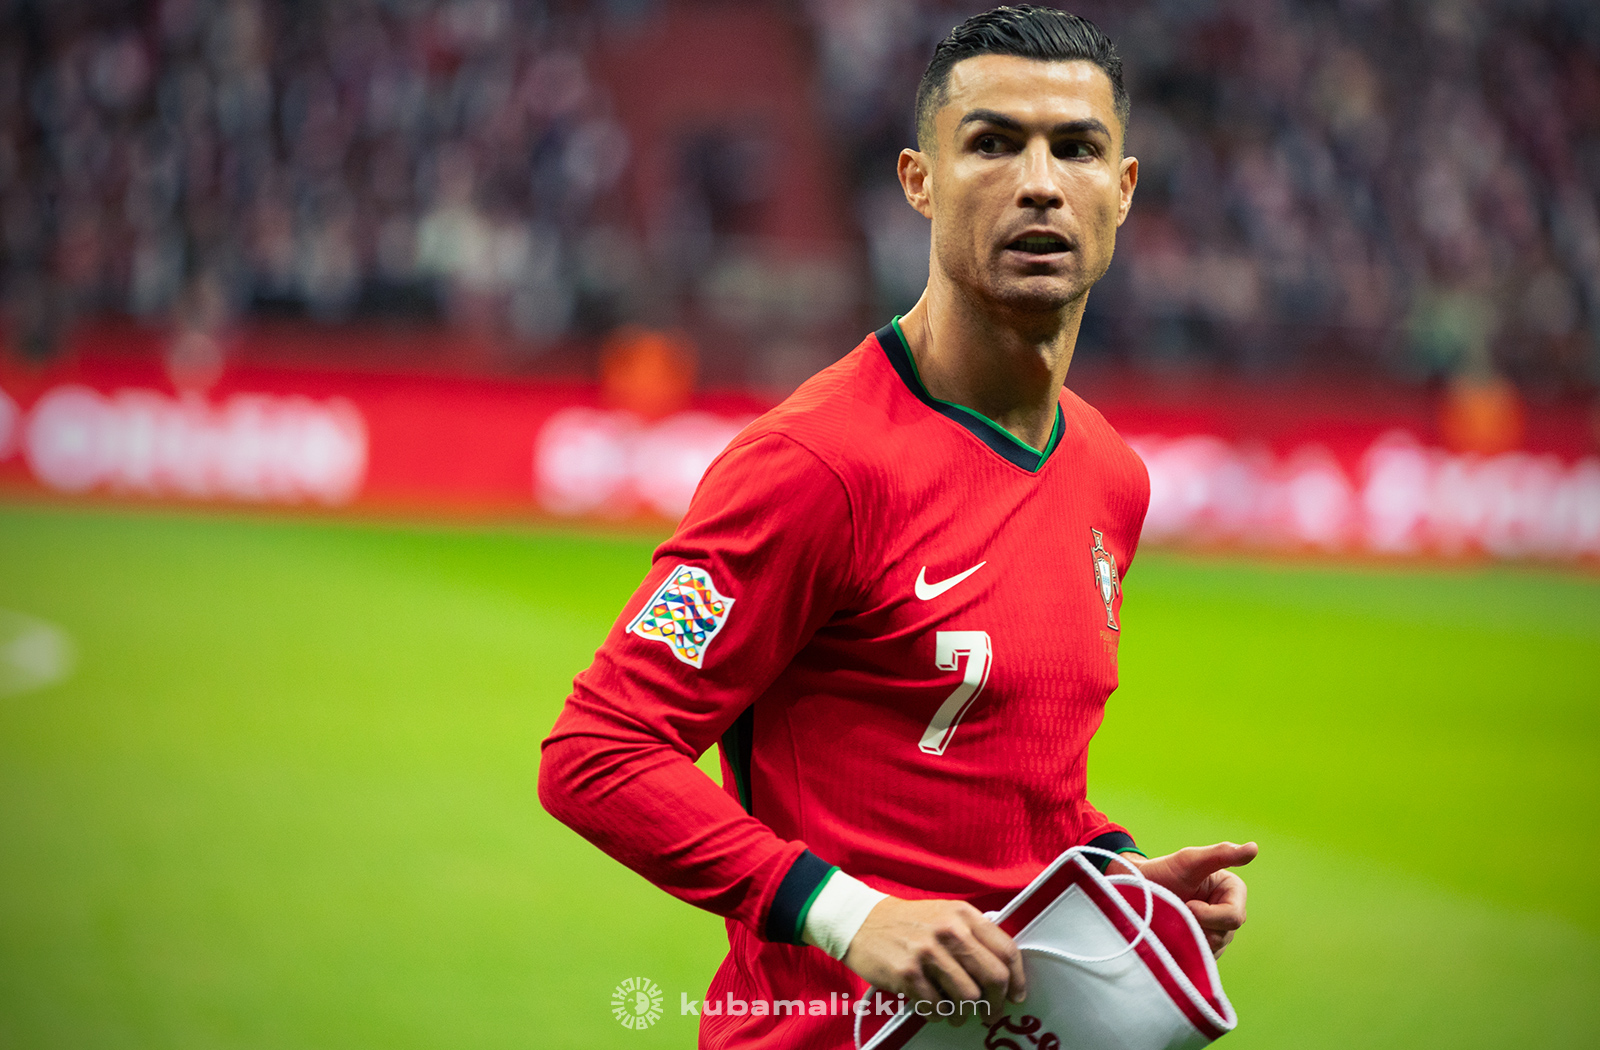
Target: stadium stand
{"type": "Point", "coordinates": [1377, 186]}
{"type": "Point", "coordinates": [1381, 187]}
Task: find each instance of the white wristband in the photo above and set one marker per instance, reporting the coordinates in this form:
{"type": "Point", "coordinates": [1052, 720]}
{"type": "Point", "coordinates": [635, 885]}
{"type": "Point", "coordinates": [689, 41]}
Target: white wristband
{"type": "Point", "coordinates": [838, 912]}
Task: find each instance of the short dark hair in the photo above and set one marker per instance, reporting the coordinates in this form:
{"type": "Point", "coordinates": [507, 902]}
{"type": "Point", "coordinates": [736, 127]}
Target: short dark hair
{"type": "Point", "coordinates": [1026, 31]}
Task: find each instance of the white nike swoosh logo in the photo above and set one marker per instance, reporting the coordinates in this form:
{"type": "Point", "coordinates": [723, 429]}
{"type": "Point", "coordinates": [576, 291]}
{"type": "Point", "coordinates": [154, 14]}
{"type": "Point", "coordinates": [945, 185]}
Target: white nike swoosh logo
{"type": "Point", "coordinates": [927, 591]}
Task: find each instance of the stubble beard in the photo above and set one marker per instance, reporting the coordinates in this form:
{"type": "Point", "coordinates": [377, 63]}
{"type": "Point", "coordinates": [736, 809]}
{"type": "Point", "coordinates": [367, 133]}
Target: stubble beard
{"type": "Point", "coordinates": [995, 290]}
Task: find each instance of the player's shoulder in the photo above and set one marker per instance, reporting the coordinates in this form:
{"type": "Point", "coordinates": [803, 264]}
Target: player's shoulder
{"type": "Point", "coordinates": [789, 467]}
{"type": "Point", "coordinates": [1108, 449]}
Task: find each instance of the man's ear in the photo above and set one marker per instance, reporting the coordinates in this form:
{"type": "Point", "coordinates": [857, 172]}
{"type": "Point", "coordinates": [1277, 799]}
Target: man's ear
{"type": "Point", "coordinates": [1130, 180]}
{"type": "Point", "coordinates": [916, 179]}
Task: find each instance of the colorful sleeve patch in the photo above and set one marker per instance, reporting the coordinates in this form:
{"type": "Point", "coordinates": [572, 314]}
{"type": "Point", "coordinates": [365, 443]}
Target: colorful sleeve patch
{"type": "Point", "coordinates": [685, 614]}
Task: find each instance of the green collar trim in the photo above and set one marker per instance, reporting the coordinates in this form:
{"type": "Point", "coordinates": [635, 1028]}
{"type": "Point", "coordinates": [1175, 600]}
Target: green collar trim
{"type": "Point", "coordinates": [1032, 459]}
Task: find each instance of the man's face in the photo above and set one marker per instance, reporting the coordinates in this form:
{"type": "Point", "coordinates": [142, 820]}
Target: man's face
{"type": "Point", "coordinates": [1026, 183]}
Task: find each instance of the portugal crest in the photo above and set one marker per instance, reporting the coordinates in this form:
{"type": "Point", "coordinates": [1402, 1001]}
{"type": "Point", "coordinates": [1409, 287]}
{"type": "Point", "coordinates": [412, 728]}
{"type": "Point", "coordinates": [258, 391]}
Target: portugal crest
{"type": "Point", "coordinates": [685, 614]}
{"type": "Point", "coordinates": [1105, 576]}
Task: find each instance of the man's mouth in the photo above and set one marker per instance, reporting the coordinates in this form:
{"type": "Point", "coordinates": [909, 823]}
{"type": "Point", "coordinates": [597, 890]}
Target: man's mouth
{"type": "Point", "coordinates": [1038, 244]}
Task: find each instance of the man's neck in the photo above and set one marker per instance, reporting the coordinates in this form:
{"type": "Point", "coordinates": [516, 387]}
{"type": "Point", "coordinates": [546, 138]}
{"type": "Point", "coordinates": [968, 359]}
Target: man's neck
{"type": "Point", "coordinates": [1008, 365]}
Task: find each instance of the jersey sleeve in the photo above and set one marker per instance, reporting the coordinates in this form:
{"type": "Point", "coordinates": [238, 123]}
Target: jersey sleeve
{"type": "Point", "coordinates": [1101, 832]}
{"type": "Point", "coordinates": [764, 556]}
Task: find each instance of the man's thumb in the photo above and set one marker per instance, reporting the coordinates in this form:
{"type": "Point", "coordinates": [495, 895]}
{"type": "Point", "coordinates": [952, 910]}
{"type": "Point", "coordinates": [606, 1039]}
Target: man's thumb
{"type": "Point", "coordinates": [1223, 855]}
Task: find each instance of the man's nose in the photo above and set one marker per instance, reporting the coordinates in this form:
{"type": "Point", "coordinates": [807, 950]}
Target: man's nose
{"type": "Point", "coordinates": [1038, 188]}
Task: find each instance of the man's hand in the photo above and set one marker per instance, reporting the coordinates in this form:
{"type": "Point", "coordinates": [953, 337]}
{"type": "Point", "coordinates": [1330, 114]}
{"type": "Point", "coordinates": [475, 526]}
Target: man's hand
{"type": "Point", "coordinates": [934, 950]}
{"type": "Point", "coordinates": [1196, 875]}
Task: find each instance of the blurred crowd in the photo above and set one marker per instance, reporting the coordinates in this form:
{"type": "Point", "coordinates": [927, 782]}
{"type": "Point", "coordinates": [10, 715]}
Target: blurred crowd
{"type": "Point", "coordinates": [206, 159]}
{"type": "Point", "coordinates": [1404, 188]}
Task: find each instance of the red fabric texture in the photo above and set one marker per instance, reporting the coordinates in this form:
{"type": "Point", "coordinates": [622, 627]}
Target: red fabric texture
{"type": "Point", "coordinates": [818, 521]}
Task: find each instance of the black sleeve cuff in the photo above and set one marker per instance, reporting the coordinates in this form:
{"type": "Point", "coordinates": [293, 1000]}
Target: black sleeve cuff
{"type": "Point", "coordinates": [787, 916]}
{"type": "Point", "coordinates": [1111, 842]}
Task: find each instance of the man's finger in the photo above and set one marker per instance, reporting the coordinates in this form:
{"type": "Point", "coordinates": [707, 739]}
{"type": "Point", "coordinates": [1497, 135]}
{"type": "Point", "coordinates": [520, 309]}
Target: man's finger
{"type": "Point", "coordinates": [1013, 983]}
{"type": "Point", "coordinates": [989, 972]}
{"type": "Point", "coordinates": [1019, 981]}
{"type": "Point", "coordinates": [920, 989]}
{"type": "Point", "coordinates": [947, 972]}
{"type": "Point", "coordinates": [1223, 887]}
{"type": "Point", "coordinates": [1217, 916]}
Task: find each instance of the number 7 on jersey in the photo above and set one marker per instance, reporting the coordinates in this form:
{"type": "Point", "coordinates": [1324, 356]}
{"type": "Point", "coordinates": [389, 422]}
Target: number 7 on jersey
{"type": "Point", "coordinates": [949, 647]}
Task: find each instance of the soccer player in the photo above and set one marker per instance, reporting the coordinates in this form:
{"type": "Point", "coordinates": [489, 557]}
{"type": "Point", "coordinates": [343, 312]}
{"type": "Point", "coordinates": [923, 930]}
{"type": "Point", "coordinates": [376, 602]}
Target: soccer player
{"type": "Point", "coordinates": [896, 597]}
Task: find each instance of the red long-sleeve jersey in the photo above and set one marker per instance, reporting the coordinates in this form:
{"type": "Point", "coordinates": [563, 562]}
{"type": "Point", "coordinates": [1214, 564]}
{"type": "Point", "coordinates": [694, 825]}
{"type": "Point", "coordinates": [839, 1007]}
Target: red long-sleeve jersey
{"type": "Point", "coordinates": [902, 625]}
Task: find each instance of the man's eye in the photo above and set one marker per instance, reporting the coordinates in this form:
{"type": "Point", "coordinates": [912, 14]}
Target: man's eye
{"type": "Point", "coordinates": [1073, 150]}
{"type": "Point", "coordinates": [989, 144]}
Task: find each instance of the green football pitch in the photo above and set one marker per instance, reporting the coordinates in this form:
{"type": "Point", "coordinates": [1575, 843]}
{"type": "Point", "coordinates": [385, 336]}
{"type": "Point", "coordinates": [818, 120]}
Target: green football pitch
{"type": "Point", "coordinates": [285, 795]}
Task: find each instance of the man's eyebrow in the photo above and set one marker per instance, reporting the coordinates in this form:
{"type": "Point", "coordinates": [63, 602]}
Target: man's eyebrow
{"type": "Point", "coordinates": [990, 116]}
{"type": "Point", "coordinates": [1086, 126]}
